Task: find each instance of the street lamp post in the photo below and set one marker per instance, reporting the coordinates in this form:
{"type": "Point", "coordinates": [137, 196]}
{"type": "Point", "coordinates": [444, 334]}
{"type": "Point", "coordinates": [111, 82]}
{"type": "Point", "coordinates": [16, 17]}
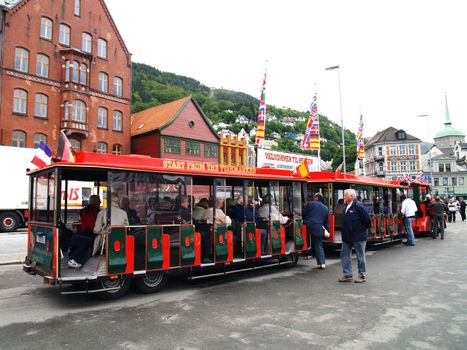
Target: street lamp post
{"type": "Point", "coordinates": [429, 151]}
{"type": "Point", "coordinates": [342, 117]}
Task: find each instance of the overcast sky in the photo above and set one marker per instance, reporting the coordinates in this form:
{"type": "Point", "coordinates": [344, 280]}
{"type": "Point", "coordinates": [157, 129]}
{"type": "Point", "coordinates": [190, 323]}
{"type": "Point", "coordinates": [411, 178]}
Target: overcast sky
{"type": "Point", "coordinates": [397, 57]}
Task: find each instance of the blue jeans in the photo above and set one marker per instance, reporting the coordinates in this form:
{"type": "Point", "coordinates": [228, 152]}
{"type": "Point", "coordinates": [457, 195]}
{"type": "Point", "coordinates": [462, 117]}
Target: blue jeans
{"type": "Point", "coordinates": [410, 234]}
{"type": "Point", "coordinates": [346, 254]}
{"type": "Point", "coordinates": [79, 245]}
{"type": "Point", "coordinates": [317, 245]}
{"type": "Point", "coordinates": [264, 241]}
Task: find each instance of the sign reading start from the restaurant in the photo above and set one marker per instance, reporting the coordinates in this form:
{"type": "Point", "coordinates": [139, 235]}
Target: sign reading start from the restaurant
{"type": "Point", "coordinates": [283, 160]}
{"type": "Point", "coordinates": [207, 167]}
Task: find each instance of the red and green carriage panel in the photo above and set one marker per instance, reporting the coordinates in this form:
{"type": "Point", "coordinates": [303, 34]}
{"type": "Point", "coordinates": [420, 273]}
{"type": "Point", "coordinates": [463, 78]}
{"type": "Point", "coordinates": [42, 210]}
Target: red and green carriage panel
{"type": "Point", "coordinates": [190, 243]}
{"type": "Point", "coordinates": [300, 234]}
{"type": "Point", "coordinates": [390, 225]}
{"type": "Point", "coordinates": [373, 227]}
{"type": "Point", "coordinates": [157, 248]}
{"type": "Point", "coordinates": [277, 238]}
{"type": "Point", "coordinates": [116, 250]}
{"type": "Point", "coordinates": [223, 243]}
{"type": "Point", "coordinates": [252, 241]}
{"type": "Point", "coordinates": [382, 225]}
{"type": "Point", "coordinates": [42, 241]}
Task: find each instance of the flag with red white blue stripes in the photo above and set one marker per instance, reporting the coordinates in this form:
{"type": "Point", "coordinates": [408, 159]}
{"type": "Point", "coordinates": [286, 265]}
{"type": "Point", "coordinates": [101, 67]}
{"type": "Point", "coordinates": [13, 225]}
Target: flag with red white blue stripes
{"type": "Point", "coordinates": [262, 113]}
{"type": "Point", "coordinates": [311, 137]}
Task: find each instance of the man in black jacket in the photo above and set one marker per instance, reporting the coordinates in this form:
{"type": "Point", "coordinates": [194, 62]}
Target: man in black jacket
{"type": "Point", "coordinates": [356, 222]}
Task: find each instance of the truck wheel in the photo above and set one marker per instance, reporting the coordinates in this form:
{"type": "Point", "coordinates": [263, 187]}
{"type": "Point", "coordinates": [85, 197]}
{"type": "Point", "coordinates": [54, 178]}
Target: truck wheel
{"type": "Point", "coordinates": [151, 282]}
{"type": "Point", "coordinates": [9, 221]}
{"type": "Point", "coordinates": [123, 284]}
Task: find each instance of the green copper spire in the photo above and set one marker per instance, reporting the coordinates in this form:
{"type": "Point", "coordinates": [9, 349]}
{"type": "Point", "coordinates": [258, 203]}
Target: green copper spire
{"type": "Point", "coordinates": [447, 121]}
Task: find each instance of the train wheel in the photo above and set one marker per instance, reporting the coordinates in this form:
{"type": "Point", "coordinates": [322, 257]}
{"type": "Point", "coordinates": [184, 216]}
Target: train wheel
{"type": "Point", "coordinates": [151, 282]}
{"type": "Point", "coordinates": [9, 222]}
{"type": "Point", "coordinates": [292, 260]}
{"type": "Point", "coordinates": [123, 284]}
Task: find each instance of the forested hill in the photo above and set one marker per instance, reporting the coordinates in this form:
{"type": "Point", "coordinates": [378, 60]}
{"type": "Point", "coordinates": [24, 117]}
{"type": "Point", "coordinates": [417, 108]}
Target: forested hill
{"type": "Point", "coordinates": [152, 87]}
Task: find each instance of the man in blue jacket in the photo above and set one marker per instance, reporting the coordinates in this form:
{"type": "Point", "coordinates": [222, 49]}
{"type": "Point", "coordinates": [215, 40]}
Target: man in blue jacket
{"type": "Point", "coordinates": [356, 222]}
{"type": "Point", "coordinates": [315, 217]}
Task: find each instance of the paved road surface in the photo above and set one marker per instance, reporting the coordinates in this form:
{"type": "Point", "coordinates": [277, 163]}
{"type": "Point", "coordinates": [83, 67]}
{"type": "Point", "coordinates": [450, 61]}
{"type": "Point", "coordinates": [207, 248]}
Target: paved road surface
{"type": "Point", "coordinates": [13, 245]}
{"type": "Point", "coordinates": [415, 298]}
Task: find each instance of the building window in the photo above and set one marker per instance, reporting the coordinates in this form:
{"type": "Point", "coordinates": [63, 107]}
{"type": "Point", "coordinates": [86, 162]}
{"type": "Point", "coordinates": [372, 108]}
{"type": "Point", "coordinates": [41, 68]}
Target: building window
{"type": "Point", "coordinates": [66, 112]}
{"type": "Point", "coordinates": [118, 86]}
{"type": "Point", "coordinates": [46, 28]}
{"type": "Point", "coordinates": [76, 72]}
{"type": "Point", "coordinates": [75, 144]}
{"type": "Point", "coordinates": [380, 166]}
{"type": "Point", "coordinates": [117, 121]}
{"type": "Point", "coordinates": [117, 149]}
{"type": "Point", "coordinates": [380, 151]}
{"type": "Point", "coordinates": [86, 44]}
{"type": "Point", "coordinates": [42, 65]}
{"type": "Point", "coordinates": [210, 150]}
{"type": "Point", "coordinates": [403, 165]}
{"type": "Point", "coordinates": [454, 181]}
{"type": "Point", "coordinates": [436, 181]}
{"type": "Point", "coordinates": [77, 9]}
{"type": "Point", "coordinates": [448, 167]}
{"type": "Point", "coordinates": [392, 150]}
{"type": "Point", "coordinates": [400, 135]}
{"type": "Point", "coordinates": [83, 72]}
{"type": "Point", "coordinates": [64, 37]}
{"type": "Point", "coordinates": [441, 167]}
{"type": "Point", "coordinates": [445, 181]}
{"type": "Point", "coordinates": [172, 145]}
{"type": "Point", "coordinates": [101, 48]}
{"type": "Point", "coordinates": [20, 101]}
{"type": "Point", "coordinates": [103, 82]}
{"type": "Point", "coordinates": [101, 147]}
{"type": "Point", "coordinates": [192, 148]}
{"type": "Point", "coordinates": [21, 59]}
{"type": "Point", "coordinates": [78, 111]}
{"type": "Point", "coordinates": [40, 109]}
{"type": "Point", "coordinates": [411, 149]}
{"type": "Point", "coordinates": [38, 138]}
{"type": "Point", "coordinates": [67, 71]}
{"type": "Point", "coordinates": [412, 165]}
{"type": "Point", "coordinates": [402, 150]}
{"type": "Point", "coordinates": [394, 165]}
{"type": "Point", "coordinates": [18, 138]}
{"type": "Point", "coordinates": [102, 117]}
{"type": "Point", "coordinates": [461, 181]}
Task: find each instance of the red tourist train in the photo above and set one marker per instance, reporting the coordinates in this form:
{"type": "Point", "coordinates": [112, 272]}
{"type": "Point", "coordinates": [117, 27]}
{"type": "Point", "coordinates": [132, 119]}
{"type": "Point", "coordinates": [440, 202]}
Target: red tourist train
{"type": "Point", "coordinates": [166, 235]}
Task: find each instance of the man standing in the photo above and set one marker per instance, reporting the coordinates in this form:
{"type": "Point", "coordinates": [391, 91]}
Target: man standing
{"type": "Point", "coordinates": [408, 209]}
{"type": "Point", "coordinates": [356, 222]}
{"type": "Point", "coordinates": [438, 218]}
{"type": "Point", "coordinates": [315, 217]}
{"type": "Point", "coordinates": [462, 207]}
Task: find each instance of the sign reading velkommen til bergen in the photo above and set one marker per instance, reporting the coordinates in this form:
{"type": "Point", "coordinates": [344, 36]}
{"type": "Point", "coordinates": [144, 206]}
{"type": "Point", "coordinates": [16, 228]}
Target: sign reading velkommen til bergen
{"type": "Point", "coordinates": [284, 160]}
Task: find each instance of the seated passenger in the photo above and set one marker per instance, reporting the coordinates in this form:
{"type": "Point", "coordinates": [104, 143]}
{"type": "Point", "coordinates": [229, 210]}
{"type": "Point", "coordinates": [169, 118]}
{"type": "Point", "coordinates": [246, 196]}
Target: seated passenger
{"type": "Point", "coordinates": [118, 217]}
{"type": "Point", "coordinates": [81, 239]}
{"type": "Point", "coordinates": [200, 208]}
{"type": "Point", "coordinates": [133, 218]}
{"type": "Point", "coordinates": [185, 210]}
{"type": "Point", "coordinates": [150, 218]}
{"type": "Point", "coordinates": [221, 218]}
{"type": "Point", "coordinates": [267, 208]}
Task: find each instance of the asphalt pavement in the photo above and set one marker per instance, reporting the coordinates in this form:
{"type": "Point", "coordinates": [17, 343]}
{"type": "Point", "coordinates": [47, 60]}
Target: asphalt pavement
{"type": "Point", "coordinates": [13, 246]}
{"type": "Point", "coordinates": [414, 298]}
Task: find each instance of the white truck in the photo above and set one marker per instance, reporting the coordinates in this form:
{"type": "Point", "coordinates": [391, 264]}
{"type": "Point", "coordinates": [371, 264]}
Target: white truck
{"type": "Point", "coordinates": [14, 186]}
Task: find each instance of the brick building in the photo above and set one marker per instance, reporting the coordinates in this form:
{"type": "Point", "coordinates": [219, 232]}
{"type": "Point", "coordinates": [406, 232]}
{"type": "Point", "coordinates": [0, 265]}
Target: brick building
{"type": "Point", "coordinates": [176, 130]}
{"type": "Point", "coordinates": [391, 153]}
{"type": "Point", "coordinates": [64, 66]}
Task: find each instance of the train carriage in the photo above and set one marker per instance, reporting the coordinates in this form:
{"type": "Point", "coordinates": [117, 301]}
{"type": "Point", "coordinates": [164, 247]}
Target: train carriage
{"type": "Point", "coordinates": [165, 238]}
{"type": "Point", "coordinates": [381, 198]}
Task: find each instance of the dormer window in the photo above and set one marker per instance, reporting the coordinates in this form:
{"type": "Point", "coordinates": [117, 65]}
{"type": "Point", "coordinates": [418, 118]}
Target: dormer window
{"type": "Point", "coordinates": [400, 135]}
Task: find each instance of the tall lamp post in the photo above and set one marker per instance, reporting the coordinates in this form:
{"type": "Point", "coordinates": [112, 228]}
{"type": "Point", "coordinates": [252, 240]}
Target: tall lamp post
{"type": "Point", "coordinates": [429, 151]}
{"type": "Point", "coordinates": [342, 117]}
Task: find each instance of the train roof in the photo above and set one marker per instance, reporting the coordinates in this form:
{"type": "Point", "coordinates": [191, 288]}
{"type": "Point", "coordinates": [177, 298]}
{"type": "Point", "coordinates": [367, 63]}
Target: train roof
{"type": "Point", "coordinates": [144, 163]}
{"type": "Point", "coordinates": [339, 177]}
